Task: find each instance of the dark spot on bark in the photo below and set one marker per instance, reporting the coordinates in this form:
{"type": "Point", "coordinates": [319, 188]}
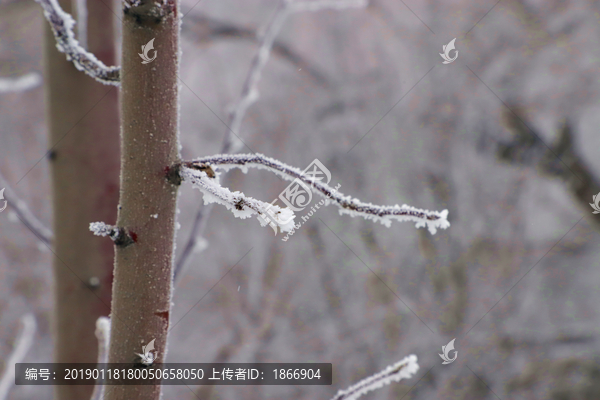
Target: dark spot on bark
{"type": "Point", "coordinates": [172, 174]}
{"type": "Point", "coordinates": [163, 314]}
{"type": "Point", "coordinates": [125, 238]}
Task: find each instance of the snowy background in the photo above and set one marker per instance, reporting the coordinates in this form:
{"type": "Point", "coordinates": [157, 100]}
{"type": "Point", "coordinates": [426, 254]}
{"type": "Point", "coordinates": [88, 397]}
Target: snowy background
{"type": "Point", "coordinates": [516, 277]}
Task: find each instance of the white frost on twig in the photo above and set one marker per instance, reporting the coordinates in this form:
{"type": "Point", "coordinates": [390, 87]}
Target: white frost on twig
{"type": "Point", "coordinates": [23, 344]}
{"type": "Point", "coordinates": [403, 369]}
{"type": "Point", "coordinates": [102, 229]}
{"type": "Point", "coordinates": [433, 220]}
{"type": "Point", "coordinates": [62, 24]}
{"type": "Point", "coordinates": [21, 83]}
{"type": "Point", "coordinates": [103, 336]}
{"type": "Point", "coordinates": [24, 214]}
{"type": "Point", "coordinates": [241, 205]}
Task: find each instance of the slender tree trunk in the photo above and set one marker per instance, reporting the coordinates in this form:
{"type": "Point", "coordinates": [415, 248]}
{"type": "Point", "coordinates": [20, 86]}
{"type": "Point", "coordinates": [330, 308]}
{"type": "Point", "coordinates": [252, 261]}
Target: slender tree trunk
{"type": "Point", "coordinates": [83, 121]}
{"type": "Point", "coordinates": [149, 133]}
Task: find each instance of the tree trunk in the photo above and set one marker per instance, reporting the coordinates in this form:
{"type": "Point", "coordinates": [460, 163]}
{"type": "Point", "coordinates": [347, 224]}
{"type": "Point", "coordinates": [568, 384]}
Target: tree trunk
{"type": "Point", "coordinates": [149, 133]}
{"type": "Point", "coordinates": [83, 122]}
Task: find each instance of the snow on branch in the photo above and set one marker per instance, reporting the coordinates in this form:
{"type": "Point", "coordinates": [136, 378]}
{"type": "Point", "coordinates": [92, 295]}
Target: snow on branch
{"type": "Point", "coordinates": [433, 220]}
{"type": "Point", "coordinates": [23, 213]}
{"type": "Point", "coordinates": [103, 336]}
{"type": "Point", "coordinates": [241, 205]}
{"type": "Point", "coordinates": [250, 88]}
{"type": "Point", "coordinates": [62, 24]}
{"type": "Point", "coordinates": [23, 344]}
{"type": "Point", "coordinates": [118, 235]}
{"type": "Point", "coordinates": [21, 83]}
{"type": "Point", "coordinates": [403, 369]}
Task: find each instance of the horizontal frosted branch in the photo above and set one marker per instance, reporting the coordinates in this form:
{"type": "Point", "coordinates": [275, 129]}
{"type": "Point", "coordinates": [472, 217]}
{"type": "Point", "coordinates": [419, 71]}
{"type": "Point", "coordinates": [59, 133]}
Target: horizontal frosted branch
{"type": "Point", "coordinates": [403, 369]}
{"type": "Point", "coordinates": [23, 344]}
{"type": "Point", "coordinates": [20, 83]}
{"type": "Point", "coordinates": [433, 220]}
{"type": "Point", "coordinates": [62, 24]}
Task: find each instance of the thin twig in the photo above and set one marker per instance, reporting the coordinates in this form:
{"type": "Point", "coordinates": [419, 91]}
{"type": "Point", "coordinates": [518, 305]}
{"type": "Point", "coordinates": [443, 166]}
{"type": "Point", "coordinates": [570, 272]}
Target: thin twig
{"type": "Point", "coordinates": [24, 214]}
{"type": "Point", "coordinates": [103, 335]}
{"type": "Point", "coordinates": [62, 24]}
{"type": "Point", "coordinates": [248, 96]}
{"type": "Point", "coordinates": [24, 342]}
{"type": "Point", "coordinates": [403, 369]}
{"type": "Point", "coordinates": [21, 83]}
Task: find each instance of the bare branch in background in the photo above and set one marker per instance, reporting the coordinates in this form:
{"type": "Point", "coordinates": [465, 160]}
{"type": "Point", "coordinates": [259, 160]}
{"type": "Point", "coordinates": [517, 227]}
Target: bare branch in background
{"type": "Point", "coordinates": [250, 88]}
{"type": "Point", "coordinates": [21, 83]}
{"type": "Point", "coordinates": [103, 335]}
{"type": "Point", "coordinates": [559, 160]}
{"type": "Point", "coordinates": [199, 173]}
{"type": "Point", "coordinates": [62, 24]}
{"type": "Point", "coordinates": [23, 344]}
{"type": "Point", "coordinates": [394, 373]}
{"type": "Point", "coordinates": [82, 17]}
{"type": "Point", "coordinates": [248, 96]}
{"type": "Point", "coordinates": [206, 29]}
{"type": "Point", "coordinates": [19, 207]}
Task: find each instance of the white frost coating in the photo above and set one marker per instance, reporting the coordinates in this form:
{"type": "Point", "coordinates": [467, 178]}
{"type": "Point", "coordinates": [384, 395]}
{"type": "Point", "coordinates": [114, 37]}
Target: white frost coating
{"type": "Point", "coordinates": [102, 229]}
{"type": "Point", "coordinates": [238, 203]}
{"type": "Point", "coordinates": [23, 344]}
{"type": "Point", "coordinates": [403, 369]}
{"type": "Point", "coordinates": [433, 220]}
{"type": "Point", "coordinates": [62, 24]}
{"type": "Point", "coordinates": [21, 83]}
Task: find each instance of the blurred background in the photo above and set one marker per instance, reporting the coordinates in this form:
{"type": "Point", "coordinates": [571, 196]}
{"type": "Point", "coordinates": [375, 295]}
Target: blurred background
{"type": "Point", "coordinates": [505, 137]}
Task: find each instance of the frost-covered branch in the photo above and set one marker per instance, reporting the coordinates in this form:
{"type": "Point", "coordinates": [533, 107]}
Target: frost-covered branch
{"type": "Point", "coordinates": [250, 88]}
{"type": "Point", "coordinates": [118, 235]}
{"type": "Point", "coordinates": [62, 24]}
{"type": "Point", "coordinates": [19, 207]}
{"type": "Point", "coordinates": [103, 335]}
{"type": "Point", "coordinates": [21, 83]}
{"type": "Point", "coordinates": [394, 373]}
{"type": "Point", "coordinates": [248, 96]}
{"type": "Point", "coordinates": [23, 344]}
{"type": "Point", "coordinates": [243, 207]}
